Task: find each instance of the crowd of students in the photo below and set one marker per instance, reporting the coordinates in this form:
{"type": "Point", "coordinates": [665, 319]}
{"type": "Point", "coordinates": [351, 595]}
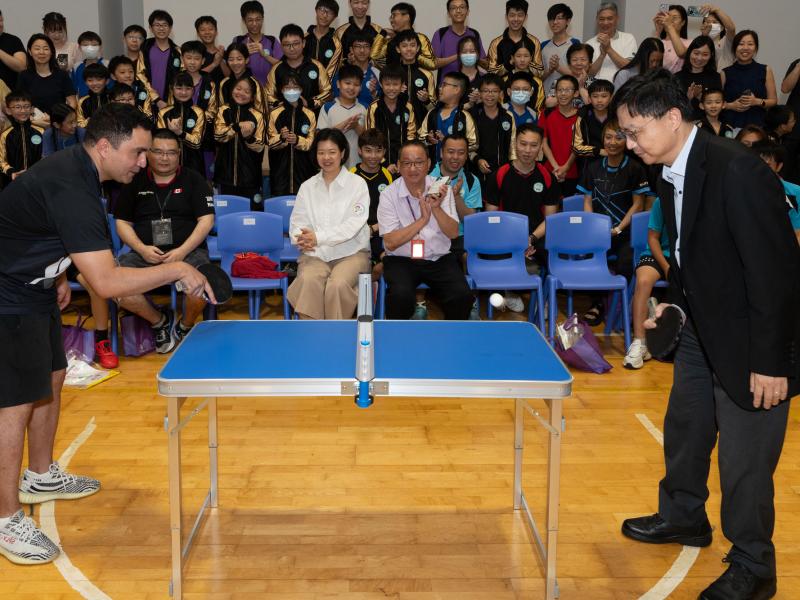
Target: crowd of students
{"type": "Point", "coordinates": [534, 116]}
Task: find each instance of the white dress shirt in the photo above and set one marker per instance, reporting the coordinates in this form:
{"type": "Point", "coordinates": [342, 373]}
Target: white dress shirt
{"type": "Point", "coordinates": [337, 213]}
{"type": "Point", "coordinates": [676, 175]}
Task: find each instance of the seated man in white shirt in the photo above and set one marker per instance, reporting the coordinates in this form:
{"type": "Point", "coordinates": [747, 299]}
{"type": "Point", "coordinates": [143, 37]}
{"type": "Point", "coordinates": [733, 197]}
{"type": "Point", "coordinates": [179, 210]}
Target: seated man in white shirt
{"type": "Point", "coordinates": [417, 227]}
{"type": "Point", "coordinates": [329, 225]}
{"type": "Point", "coordinates": [613, 49]}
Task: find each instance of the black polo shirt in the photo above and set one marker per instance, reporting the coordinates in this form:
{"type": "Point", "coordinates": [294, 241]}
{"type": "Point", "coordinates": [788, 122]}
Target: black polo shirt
{"type": "Point", "coordinates": [184, 200]}
{"type": "Point", "coordinates": [523, 193]}
{"type": "Point", "coordinates": [49, 212]}
{"type": "Point", "coordinates": [612, 188]}
{"type": "Point", "coordinates": [10, 44]}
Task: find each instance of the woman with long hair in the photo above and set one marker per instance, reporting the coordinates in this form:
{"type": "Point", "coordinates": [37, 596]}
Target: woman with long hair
{"type": "Point", "coordinates": [649, 56]}
{"type": "Point", "coordinates": [44, 81]}
{"type": "Point", "coordinates": [699, 71]}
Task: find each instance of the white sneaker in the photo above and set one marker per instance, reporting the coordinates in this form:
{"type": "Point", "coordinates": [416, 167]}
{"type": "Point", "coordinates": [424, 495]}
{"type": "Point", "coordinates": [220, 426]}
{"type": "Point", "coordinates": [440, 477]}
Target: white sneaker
{"type": "Point", "coordinates": [514, 303]}
{"type": "Point", "coordinates": [23, 543]}
{"type": "Point", "coordinates": [55, 485]}
{"type": "Point", "coordinates": [637, 354]}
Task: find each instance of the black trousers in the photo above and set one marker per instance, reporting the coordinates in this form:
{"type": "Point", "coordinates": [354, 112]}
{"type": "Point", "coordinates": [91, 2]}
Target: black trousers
{"type": "Point", "coordinates": [750, 444]}
{"type": "Point", "coordinates": [444, 277]}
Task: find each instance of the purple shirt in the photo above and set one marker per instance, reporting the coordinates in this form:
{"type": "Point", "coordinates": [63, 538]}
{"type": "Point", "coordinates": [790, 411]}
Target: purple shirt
{"type": "Point", "coordinates": [158, 69]}
{"type": "Point", "coordinates": [447, 45]}
{"type": "Point", "coordinates": [398, 208]}
{"type": "Point", "coordinates": [259, 65]}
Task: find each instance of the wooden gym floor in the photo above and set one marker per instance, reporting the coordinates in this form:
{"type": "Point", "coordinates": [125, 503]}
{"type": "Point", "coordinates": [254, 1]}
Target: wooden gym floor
{"type": "Point", "coordinates": [410, 499]}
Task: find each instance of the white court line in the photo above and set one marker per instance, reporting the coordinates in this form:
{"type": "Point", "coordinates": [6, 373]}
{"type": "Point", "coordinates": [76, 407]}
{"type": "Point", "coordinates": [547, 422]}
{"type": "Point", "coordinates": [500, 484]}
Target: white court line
{"type": "Point", "coordinates": [680, 568]}
{"type": "Point", "coordinates": [47, 522]}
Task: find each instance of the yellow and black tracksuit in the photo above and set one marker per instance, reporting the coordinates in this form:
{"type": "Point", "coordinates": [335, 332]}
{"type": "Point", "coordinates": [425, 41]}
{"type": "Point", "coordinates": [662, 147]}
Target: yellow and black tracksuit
{"type": "Point", "coordinates": [502, 48]}
{"type": "Point", "coordinates": [349, 30]}
{"type": "Point", "coordinates": [193, 126]}
{"type": "Point", "coordinates": [290, 164]}
{"type": "Point", "coordinates": [459, 122]}
{"type": "Point", "coordinates": [89, 104]}
{"type": "Point", "coordinates": [398, 125]}
{"type": "Point", "coordinates": [326, 50]}
{"type": "Point", "coordinates": [384, 52]}
{"type": "Point", "coordinates": [314, 82]}
{"type": "Point", "coordinates": [226, 87]}
{"type": "Point", "coordinates": [20, 148]}
{"type": "Point", "coordinates": [419, 79]}
{"type": "Point", "coordinates": [237, 169]}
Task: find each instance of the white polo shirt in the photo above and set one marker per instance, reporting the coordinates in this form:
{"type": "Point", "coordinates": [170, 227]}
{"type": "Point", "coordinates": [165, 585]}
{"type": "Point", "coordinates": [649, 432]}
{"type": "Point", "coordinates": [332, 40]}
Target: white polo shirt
{"type": "Point", "coordinates": [623, 44]}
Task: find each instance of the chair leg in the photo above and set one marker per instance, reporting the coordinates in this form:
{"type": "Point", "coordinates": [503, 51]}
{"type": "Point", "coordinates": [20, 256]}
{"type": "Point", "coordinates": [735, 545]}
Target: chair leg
{"type": "Point", "coordinates": [286, 311]}
{"type": "Point", "coordinates": [611, 314]}
{"type": "Point", "coordinates": [552, 311]}
{"type": "Point", "coordinates": [250, 304]}
{"type": "Point", "coordinates": [113, 312]}
{"type": "Point", "coordinates": [489, 308]}
{"type": "Point", "coordinates": [626, 318]}
{"type": "Point", "coordinates": [540, 307]}
{"type": "Point", "coordinates": [256, 305]}
{"type": "Point", "coordinates": [381, 298]}
{"type": "Point", "coordinates": [569, 303]}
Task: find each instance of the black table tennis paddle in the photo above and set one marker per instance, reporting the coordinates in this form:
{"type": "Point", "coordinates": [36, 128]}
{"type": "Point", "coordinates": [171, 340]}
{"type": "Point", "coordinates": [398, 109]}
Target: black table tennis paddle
{"type": "Point", "coordinates": [662, 340]}
{"type": "Point", "coordinates": [218, 279]}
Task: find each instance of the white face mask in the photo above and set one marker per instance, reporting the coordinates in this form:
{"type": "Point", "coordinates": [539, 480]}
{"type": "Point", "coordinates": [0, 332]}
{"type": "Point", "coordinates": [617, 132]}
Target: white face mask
{"type": "Point", "coordinates": [469, 59]}
{"type": "Point", "coordinates": [520, 97]}
{"type": "Point", "coordinates": [716, 29]}
{"type": "Point", "coordinates": [90, 52]}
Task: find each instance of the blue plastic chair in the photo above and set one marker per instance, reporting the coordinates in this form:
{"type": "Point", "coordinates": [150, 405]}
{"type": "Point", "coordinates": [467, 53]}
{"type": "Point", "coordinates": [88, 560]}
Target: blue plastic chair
{"type": "Point", "coordinates": [587, 236]}
{"type": "Point", "coordinates": [253, 232]}
{"type": "Point", "coordinates": [224, 204]}
{"type": "Point", "coordinates": [283, 206]}
{"type": "Point", "coordinates": [573, 203]}
{"type": "Point", "coordinates": [498, 232]}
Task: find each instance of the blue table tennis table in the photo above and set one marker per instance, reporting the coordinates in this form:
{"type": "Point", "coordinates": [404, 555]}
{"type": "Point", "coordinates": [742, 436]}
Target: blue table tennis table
{"type": "Point", "coordinates": [462, 359]}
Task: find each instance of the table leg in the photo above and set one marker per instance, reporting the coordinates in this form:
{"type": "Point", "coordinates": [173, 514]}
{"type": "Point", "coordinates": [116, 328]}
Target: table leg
{"type": "Point", "coordinates": [174, 435]}
{"type": "Point", "coordinates": [553, 479]}
{"type": "Point", "coordinates": [212, 450]}
{"type": "Point", "coordinates": [519, 442]}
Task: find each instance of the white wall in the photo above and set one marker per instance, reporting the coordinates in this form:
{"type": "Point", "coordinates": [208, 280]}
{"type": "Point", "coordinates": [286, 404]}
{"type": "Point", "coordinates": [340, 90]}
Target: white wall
{"type": "Point", "coordinates": [24, 17]}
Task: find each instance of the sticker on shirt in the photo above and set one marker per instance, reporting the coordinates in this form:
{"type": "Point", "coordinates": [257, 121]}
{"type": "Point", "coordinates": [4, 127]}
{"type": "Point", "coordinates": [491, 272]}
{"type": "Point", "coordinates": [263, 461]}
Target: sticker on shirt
{"type": "Point", "coordinates": [191, 123]}
{"type": "Point", "coordinates": [406, 117]}
{"type": "Point", "coordinates": [142, 95]}
{"type": "Point", "coordinates": [52, 271]}
{"type": "Point", "coordinates": [304, 129]}
{"type": "Point", "coordinates": [328, 53]}
{"type": "Point", "coordinates": [450, 130]}
{"type": "Point", "coordinates": [419, 82]}
{"type": "Point", "coordinates": [176, 62]}
{"type": "Point", "coordinates": [210, 201]}
{"type": "Point", "coordinates": [207, 95]}
{"type": "Point", "coordinates": [506, 126]}
{"type": "Point", "coordinates": [382, 187]}
{"type": "Point", "coordinates": [538, 187]}
{"type": "Point", "coordinates": [729, 134]}
{"type": "Point", "coordinates": [397, 119]}
{"type": "Point", "coordinates": [312, 75]}
{"type": "Point", "coordinates": [266, 52]}
{"type": "Point", "coordinates": [460, 127]}
{"type": "Point", "coordinates": [36, 139]}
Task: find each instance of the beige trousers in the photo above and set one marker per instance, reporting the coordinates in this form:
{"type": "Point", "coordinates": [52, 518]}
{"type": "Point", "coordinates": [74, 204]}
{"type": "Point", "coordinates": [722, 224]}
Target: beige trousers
{"type": "Point", "coordinates": [327, 290]}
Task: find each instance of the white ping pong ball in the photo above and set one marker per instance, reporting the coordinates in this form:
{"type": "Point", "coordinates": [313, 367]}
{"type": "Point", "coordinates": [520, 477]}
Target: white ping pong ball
{"type": "Point", "coordinates": [496, 300]}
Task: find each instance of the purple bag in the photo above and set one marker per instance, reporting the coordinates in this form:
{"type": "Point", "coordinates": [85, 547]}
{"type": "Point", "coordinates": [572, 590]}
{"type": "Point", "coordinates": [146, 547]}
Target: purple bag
{"type": "Point", "coordinates": [137, 336]}
{"type": "Point", "coordinates": [78, 339]}
{"type": "Point", "coordinates": [585, 353]}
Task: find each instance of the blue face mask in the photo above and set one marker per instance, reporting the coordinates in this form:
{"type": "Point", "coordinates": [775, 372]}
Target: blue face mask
{"type": "Point", "coordinates": [292, 95]}
{"type": "Point", "coordinates": [520, 97]}
{"type": "Point", "coordinates": [469, 60]}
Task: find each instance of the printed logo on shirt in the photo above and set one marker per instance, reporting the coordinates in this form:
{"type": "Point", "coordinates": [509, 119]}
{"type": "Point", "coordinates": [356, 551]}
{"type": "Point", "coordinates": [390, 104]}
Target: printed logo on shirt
{"type": "Point", "coordinates": [506, 125]}
{"type": "Point", "coordinates": [266, 52]}
{"type": "Point", "coordinates": [406, 117]}
{"type": "Point", "coordinates": [304, 129]}
{"type": "Point", "coordinates": [177, 191]}
{"type": "Point", "coordinates": [460, 127]}
{"type": "Point", "coordinates": [312, 75]}
{"type": "Point", "coordinates": [358, 209]}
{"type": "Point", "coordinates": [397, 119]}
{"type": "Point", "coordinates": [142, 95]}
{"type": "Point", "coordinates": [36, 139]}
{"type": "Point", "coordinates": [328, 53]}
{"type": "Point", "coordinates": [538, 187]}
{"type": "Point", "coordinates": [207, 95]}
{"type": "Point", "coordinates": [728, 134]}
{"type": "Point", "coordinates": [191, 122]}
{"type": "Point", "coordinates": [419, 82]}
{"type": "Point", "coordinates": [176, 62]}
{"type": "Point", "coordinates": [450, 130]}
{"type": "Point", "coordinates": [51, 272]}
{"type": "Point", "coordinates": [210, 201]}
{"type": "Point", "coordinates": [382, 187]}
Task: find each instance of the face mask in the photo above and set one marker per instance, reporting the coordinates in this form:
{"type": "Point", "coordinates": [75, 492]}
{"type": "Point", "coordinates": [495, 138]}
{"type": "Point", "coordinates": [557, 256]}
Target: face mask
{"type": "Point", "coordinates": [90, 52]}
{"type": "Point", "coordinates": [716, 29]}
{"type": "Point", "coordinates": [520, 97]}
{"type": "Point", "coordinates": [292, 95]}
{"type": "Point", "coordinates": [469, 60]}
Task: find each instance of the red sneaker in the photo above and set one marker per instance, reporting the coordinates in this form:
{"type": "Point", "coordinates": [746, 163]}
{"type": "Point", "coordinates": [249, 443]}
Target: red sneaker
{"type": "Point", "coordinates": [104, 355]}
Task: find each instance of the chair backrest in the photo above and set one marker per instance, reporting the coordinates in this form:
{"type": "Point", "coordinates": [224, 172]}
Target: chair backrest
{"type": "Point", "coordinates": [249, 232]}
{"type": "Point", "coordinates": [639, 223]}
{"type": "Point", "coordinates": [585, 235]}
{"type": "Point", "coordinates": [283, 206]}
{"type": "Point", "coordinates": [225, 204]}
{"type": "Point", "coordinates": [495, 232]}
{"type": "Point", "coordinates": [573, 203]}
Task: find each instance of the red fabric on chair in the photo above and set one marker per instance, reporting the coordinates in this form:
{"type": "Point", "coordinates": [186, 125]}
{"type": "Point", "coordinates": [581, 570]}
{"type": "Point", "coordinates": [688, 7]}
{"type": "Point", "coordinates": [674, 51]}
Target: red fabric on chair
{"type": "Point", "coordinates": [250, 265]}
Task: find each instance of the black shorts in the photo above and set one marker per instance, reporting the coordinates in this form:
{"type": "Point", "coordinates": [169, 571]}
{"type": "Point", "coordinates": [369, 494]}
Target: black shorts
{"type": "Point", "coordinates": [195, 258]}
{"type": "Point", "coordinates": [647, 260]}
{"type": "Point", "coordinates": [31, 348]}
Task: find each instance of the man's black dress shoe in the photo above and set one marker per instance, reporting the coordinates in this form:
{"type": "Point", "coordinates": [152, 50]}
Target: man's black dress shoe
{"type": "Point", "coordinates": [655, 530]}
{"type": "Point", "coordinates": [740, 583]}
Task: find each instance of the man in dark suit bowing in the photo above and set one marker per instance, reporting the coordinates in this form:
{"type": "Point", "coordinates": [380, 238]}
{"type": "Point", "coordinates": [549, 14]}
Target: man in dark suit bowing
{"type": "Point", "coordinates": [735, 271]}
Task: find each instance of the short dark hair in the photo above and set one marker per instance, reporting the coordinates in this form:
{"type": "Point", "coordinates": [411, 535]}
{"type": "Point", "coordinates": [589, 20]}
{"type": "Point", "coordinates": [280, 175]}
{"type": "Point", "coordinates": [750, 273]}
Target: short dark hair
{"type": "Point", "coordinates": [135, 29]}
{"type": "Point", "coordinates": [573, 80]}
{"type": "Point", "coordinates": [405, 7]}
{"type": "Point", "coordinates": [459, 78]}
{"type": "Point", "coordinates": [601, 85]}
{"type": "Point", "coordinates": [183, 79]}
{"type": "Point", "coordinates": [466, 2]}
{"type": "Point", "coordinates": [530, 128]}
{"type": "Point", "coordinates": [348, 71]}
{"type": "Point", "coordinates": [517, 5]}
{"type": "Point", "coordinates": [519, 76]}
{"type": "Point", "coordinates": [159, 15]}
{"type": "Point", "coordinates": [193, 47]}
{"type": "Point", "coordinates": [458, 137]}
{"type": "Point", "coordinates": [291, 29]}
{"type": "Point", "coordinates": [407, 35]}
{"type": "Point", "coordinates": [777, 115]}
{"type": "Point", "coordinates": [205, 19]}
{"type": "Point", "coordinates": [768, 149]}
{"type": "Point", "coordinates": [116, 122]}
{"type": "Point", "coordinates": [492, 79]}
{"type": "Point", "coordinates": [237, 47]}
{"type": "Point", "coordinates": [286, 78]}
{"type": "Point", "coordinates": [393, 72]}
{"type": "Point", "coordinates": [119, 90]}
{"type": "Point", "coordinates": [251, 6]}
{"type": "Point", "coordinates": [577, 48]}
{"type": "Point", "coordinates": [89, 36]}
{"type": "Point", "coordinates": [54, 21]}
{"type": "Point", "coordinates": [652, 94]}
{"type": "Point", "coordinates": [95, 71]}
{"type": "Point", "coordinates": [331, 5]}
{"type": "Point", "coordinates": [117, 62]}
{"type": "Point", "coordinates": [684, 31]}
{"type": "Point", "coordinates": [18, 96]}
{"type": "Point", "coordinates": [165, 134]}
{"type": "Point", "coordinates": [711, 90]}
{"type": "Point", "coordinates": [412, 143]}
{"type": "Point", "coordinates": [372, 137]}
{"type": "Point", "coordinates": [60, 111]}
{"type": "Point", "coordinates": [250, 82]}
{"type": "Point", "coordinates": [334, 135]}
{"type": "Point", "coordinates": [737, 39]}
{"type": "Point", "coordinates": [610, 123]}
{"type": "Point", "coordinates": [40, 37]}
{"type": "Point", "coordinates": [559, 9]}
{"type": "Point", "coordinates": [358, 35]}
{"type": "Point", "coordinates": [750, 128]}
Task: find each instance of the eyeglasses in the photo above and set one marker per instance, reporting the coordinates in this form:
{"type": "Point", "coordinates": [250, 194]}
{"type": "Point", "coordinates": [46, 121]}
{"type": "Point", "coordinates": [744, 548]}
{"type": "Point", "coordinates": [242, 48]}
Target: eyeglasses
{"type": "Point", "coordinates": [633, 134]}
{"type": "Point", "coordinates": [324, 11]}
{"type": "Point", "coordinates": [446, 83]}
{"type": "Point", "coordinates": [417, 164]}
{"type": "Point", "coordinates": [292, 45]}
{"type": "Point", "coordinates": [164, 153]}
{"type": "Point", "coordinates": [135, 38]}
{"type": "Point", "coordinates": [569, 91]}
{"type": "Point", "coordinates": [459, 8]}
{"type": "Point", "coordinates": [158, 25]}
{"type": "Point", "coordinates": [360, 46]}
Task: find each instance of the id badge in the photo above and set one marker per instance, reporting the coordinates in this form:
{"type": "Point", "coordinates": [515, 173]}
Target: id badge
{"type": "Point", "coordinates": [418, 249]}
{"type": "Point", "coordinates": [162, 232]}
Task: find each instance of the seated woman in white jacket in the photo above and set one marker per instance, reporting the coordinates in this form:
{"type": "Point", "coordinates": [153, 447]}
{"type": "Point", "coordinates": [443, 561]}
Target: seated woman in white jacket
{"type": "Point", "coordinates": [329, 225]}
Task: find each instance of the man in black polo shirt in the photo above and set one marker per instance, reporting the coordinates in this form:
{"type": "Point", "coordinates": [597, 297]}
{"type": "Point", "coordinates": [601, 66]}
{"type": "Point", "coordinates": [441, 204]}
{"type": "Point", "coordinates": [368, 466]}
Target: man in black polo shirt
{"type": "Point", "coordinates": [12, 56]}
{"type": "Point", "coordinates": [165, 215]}
{"type": "Point", "coordinates": [50, 217]}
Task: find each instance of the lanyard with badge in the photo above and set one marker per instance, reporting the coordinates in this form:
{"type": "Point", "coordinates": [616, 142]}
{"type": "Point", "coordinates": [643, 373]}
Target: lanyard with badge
{"type": "Point", "coordinates": [417, 244]}
{"type": "Point", "coordinates": [162, 228]}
